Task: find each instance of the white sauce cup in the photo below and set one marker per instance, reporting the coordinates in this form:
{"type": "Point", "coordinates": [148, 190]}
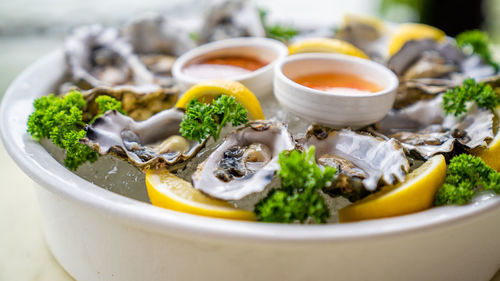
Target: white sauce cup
{"type": "Point", "coordinates": [258, 81]}
{"type": "Point", "coordinates": [334, 109]}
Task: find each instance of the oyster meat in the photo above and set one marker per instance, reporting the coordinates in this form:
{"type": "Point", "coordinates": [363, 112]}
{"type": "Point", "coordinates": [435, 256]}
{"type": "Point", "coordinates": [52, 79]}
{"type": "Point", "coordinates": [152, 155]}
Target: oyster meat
{"type": "Point", "coordinates": [98, 56]}
{"type": "Point", "coordinates": [362, 161]}
{"type": "Point", "coordinates": [138, 102]}
{"type": "Point", "coordinates": [245, 162]}
{"type": "Point", "coordinates": [231, 18]}
{"type": "Point", "coordinates": [426, 68]}
{"type": "Point", "coordinates": [423, 127]}
{"type": "Point", "coordinates": [152, 143]}
{"type": "Point", "coordinates": [158, 40]}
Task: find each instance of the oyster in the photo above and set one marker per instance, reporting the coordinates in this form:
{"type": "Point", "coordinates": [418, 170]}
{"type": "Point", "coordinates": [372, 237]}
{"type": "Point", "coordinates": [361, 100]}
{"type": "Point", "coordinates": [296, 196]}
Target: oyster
{"type": "Point", "coordinates": [245, 162]}
{"type": "Point", "coordinates": [158, 40]}
{"type": "Point", "coordinates": [427, 68]}
{"type": "Point", "coordinates": [231, 18]}
{"type": "Point", "coordinates": [366, 33]}
{"type": "Point", "coordinates": [154, 142]}
{"type": "Point", "coordinates": [138, 102]}
{"type": "Point", "coordinates": [98, 56]}
{"type": "Point", "coordinates": [363, 161]}
{"type": "Point", "coordinates": [424, 128]}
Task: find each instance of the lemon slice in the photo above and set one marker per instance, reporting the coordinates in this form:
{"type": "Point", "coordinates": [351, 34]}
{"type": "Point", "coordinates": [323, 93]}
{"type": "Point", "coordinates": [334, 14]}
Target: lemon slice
{"type": "Point", "coordinates": [413, 31]}
{"type": "Point", "coordinates": [171, 192]}
{"type": "Point", "coordinates": [209, 90]}
{"type": "Point", "coordinates": [325, 45]}
{"type": "Point", "coordinates": [491, 154]}
{"type": "Point", "coordinates": [415, 194]}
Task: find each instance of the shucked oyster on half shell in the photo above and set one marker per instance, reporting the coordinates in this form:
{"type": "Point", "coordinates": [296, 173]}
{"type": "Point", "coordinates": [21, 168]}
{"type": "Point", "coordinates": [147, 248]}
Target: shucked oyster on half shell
{"type": "Point", "coordinates": [424, 128]}
{"type": "Point", "coordinates": [427, 68]}
{"type": "Point", "coordinates": [362, 161]}
{"type": "Point", "coordinates": [138, 102]}
{"type": "Point", "coordinates": [154, 142]}
{"type": "Point", "coordinates": [98, 56]}
{"type": "Point", "coordinates": [158, 40]}
{"type": "Point", "coordinates": [245, 162]}
{"type": "Point", "coordinates": [231, 18]}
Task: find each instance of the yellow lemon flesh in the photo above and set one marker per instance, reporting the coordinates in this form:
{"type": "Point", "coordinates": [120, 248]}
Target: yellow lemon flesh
{"type": "Point", "coordinates": [209, 90]}
{"type": "Point", "coordinates": [171, 192]}
{"type": "Point", "coordinates": [325, 45]}
{"type": "Point", "coordinates": [491, 154]}
{"type": "Point", "coordinates": [413, 31]}
{"type": "Point", "coordinates": [415, 194]}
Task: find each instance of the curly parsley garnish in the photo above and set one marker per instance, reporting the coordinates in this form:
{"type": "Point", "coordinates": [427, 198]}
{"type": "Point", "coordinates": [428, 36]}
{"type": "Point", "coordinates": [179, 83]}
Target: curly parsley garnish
{"type": "Point", "coordinates": [203, 120]}
{"type": "Point", "coordinates": [456, 99]}
{"type": "Point", "coordinates": [298, 199]}
{"type": "Point", "coordinates": [60, 120]}
{"type": "Point", "coordinates": [477, 42]}
{"type": "Point", "coordinates": [466, 176]}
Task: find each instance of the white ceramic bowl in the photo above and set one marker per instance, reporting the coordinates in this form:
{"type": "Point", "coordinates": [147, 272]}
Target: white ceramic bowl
{"type": "Point", "coordinates": [258, 81]}
{"type": "Point", "coordinates": [96, 234]}
{"type": "Point", "coordinates": [354, 110]}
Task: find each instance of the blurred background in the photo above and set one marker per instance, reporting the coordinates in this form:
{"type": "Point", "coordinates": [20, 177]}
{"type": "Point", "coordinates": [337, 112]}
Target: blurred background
{"type": "Point", "coordinates": [31, 28]}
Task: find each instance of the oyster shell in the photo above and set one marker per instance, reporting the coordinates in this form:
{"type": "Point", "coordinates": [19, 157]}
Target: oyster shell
{"type": "Point", "coordinates": [427, 67]}
{"type": "Point", "coordinates": [369, 159]}
{"type": "Point", "coordinates": [231, 18]}
{"type": "Point", "coordinates": [138, 102]}
{"type": "Point", "coordinates": [424, 128]}
{"type": "Point", "coordinates": [158, 40]}
{"type": "Point", "coordinates": [98, 56]}
{"type": "Point", "coordinates": [245, 162]}
{"type": "Point", "coordinates": [366, 34]}
{"type": "Point", "coordinates": [154, 142]}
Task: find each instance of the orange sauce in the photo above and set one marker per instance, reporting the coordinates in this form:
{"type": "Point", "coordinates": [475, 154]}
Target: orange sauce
{"type": "Point", "coordinates": [223, 67]}
{"type": "Point", "coordinates": [336, 82]}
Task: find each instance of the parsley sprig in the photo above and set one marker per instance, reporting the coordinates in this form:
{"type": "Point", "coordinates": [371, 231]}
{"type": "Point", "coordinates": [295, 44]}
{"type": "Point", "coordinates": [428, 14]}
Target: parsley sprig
{"type": "Point", "coordinates": [203, 120]}
{"type": "Point", "coordinates": [466, 176]}
{"type": "Point", "coordinates": [455, 100]}
{"type": "Point", "coordinates": [477, 42]}
{"type": "Point", "coordinates": [60, 120]}
{"type": "Point", "coordinates": [298, 198]}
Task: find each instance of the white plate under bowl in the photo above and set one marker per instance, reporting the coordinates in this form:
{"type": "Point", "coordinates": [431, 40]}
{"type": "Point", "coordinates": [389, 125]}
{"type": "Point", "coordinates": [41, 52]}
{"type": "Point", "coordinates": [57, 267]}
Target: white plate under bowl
{"type": "Point", "coordinates": [99, 235]}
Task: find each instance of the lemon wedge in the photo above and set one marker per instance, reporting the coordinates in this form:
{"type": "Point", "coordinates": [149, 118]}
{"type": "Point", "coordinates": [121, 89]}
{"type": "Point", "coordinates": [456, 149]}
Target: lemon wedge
{"type": "Point", "coordinates": [415, 194]}
{"type": "Point", "coordinates": [209, 90]}
{"type": "Point", "coordinates": [171, 192]}
{"type": "Point", "coordinates": [491, 154]}
{"type": "Point", "coordinates": [325, 45]}
{"type": "Point", "coordinates": [413, 31]}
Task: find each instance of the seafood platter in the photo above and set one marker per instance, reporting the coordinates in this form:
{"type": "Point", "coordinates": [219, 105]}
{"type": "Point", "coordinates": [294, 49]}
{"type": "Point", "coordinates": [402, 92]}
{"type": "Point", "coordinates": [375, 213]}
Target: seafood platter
{"type": "Point", "coordinates": [256, 150]}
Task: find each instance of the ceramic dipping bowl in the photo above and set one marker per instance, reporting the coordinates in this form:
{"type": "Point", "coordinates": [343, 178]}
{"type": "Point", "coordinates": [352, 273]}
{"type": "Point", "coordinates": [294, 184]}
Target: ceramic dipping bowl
{"type": "Point", "coordinates": [337, 109]}
{"type": "Point", "coordinates": [258, 81]}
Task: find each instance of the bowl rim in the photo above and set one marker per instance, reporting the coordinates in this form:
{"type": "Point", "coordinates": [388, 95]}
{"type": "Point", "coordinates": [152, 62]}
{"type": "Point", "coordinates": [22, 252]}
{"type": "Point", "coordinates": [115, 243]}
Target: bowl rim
{"type": "Point", "coordinates": [275, 45]}
{"type": "Point", "coordinates": [39, 165]}
{"type": "Point", "coordinates": [391, 77]}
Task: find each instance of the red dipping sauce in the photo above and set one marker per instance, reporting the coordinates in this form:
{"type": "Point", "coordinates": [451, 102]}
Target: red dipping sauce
{"type": "Point", "coordinates": [338, 83]}
{"type": "Point", "coordinates": [223, 67]}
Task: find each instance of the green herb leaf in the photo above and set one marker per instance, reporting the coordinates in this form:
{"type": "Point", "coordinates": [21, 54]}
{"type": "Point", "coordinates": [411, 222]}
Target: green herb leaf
{"type": "Point", "coordinates": [455, 100]}
{"type": "Point", "coordinates": [466, 176]}
{"type": "Point", "coordinates": [277, 31]}
{"type": "Point", "coordinates": [60, 120]}
{"type": "Point", "coordinates": [298, 199]}
{"type": "Point", "coordinates": [204, 120]}
{"type": "Point", "coordinates": [477, 42]}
